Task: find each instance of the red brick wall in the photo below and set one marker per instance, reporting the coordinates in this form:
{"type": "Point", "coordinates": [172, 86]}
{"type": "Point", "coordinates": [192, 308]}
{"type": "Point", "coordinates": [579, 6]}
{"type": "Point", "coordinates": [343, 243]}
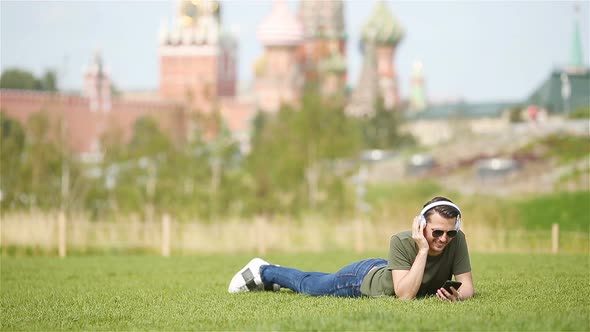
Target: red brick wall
{"type": "Point", "coordinates": [83, 126]}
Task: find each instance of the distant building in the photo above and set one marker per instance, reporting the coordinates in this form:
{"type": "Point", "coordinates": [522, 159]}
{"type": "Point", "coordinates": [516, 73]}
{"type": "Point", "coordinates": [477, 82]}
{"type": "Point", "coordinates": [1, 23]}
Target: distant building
{"type": "Point", "coordinates": [198, 59]}
{"type": "Point", "coordinates": [442, 122]}
{"type": "Point", "coordinates": [565, 90]}
{"type": "Point", "coordinates": [307, 47]}
{"type": "Point", "coordinates": [85, 118]}
{"type": "Point", "coordinates": [278, 74]}
{"type": "Point", "coordinates": [568, 88]}
{"type": "Point", "coordinates": [378, 78]}
{"type": "Point", "coordinates": [562, 92]}
{"type": "Point", "coordinates": [197, 74]}
{"type": "Point", "coordinates": [323, 51]}
{"type": "Point", "coordinates": [417, 99]}
{"type": "Point", "coordinates": [97, 86]}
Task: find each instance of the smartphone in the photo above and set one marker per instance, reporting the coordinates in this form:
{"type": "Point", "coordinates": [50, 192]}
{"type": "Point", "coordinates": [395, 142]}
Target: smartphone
{"type": "Point", "coordinates": [452, 283]}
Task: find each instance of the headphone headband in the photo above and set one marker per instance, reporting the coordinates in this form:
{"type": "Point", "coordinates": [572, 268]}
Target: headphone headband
{"type": "Point", "coordinates": [439, 203]}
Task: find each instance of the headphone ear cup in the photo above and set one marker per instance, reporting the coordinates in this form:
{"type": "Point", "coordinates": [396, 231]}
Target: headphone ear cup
{"type": "Point", "coordinates": [458, 223]}
{"type": "Point", "coordinates": [422, 221]}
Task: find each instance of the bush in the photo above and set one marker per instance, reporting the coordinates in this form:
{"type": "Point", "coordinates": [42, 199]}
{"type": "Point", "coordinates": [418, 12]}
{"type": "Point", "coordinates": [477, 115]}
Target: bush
{"type": "Point", "coordinates": [580, 113]}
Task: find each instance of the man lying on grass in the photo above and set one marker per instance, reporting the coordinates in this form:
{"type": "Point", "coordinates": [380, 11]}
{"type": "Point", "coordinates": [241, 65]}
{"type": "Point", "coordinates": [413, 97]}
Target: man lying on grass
{"type": "Point", "coordinates": [420, 262]}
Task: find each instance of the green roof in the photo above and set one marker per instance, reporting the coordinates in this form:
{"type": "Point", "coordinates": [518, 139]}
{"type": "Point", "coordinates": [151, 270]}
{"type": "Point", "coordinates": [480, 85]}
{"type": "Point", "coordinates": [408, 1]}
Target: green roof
{"type": "Point", "coordinates": [549, 93]}
{"type": "Point", "coordinates": [382, 27]}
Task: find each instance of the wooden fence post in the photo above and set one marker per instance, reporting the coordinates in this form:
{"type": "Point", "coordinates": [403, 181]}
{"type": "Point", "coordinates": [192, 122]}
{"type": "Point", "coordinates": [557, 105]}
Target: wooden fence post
{"type": "Point", "coordinates": [61, 233]}
{"type": "Point", "coordinates": [165, 235]}
{"type": "Point", "coordinates": [555, 238]}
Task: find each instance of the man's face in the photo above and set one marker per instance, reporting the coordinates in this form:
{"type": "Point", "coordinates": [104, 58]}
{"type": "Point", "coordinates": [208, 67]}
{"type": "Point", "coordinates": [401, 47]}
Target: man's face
{"type": "Point", "coordinates": [437, 222]}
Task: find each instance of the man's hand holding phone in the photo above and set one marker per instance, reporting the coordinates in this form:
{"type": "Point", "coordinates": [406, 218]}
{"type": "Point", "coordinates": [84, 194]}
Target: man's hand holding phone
{"type": "Point", "coordinates": [449, 291]}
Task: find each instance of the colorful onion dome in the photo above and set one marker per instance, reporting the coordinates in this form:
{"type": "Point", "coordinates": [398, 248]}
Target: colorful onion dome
{"type": "Point", "coordinates": [382, 27]}
{"type": "Point", "coordinates": [280, 28]}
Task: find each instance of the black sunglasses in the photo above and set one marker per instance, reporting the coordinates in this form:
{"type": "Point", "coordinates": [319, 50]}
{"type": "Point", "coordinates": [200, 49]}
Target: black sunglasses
{"type": "Point", "coordinates": [440, 232]}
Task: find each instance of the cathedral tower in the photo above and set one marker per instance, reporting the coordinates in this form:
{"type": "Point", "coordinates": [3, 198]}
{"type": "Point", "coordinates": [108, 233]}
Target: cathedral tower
{"type": "Point", "coordinates": [380, 36]}
{"type": "Point", "coordinates": [576, 63]}
{"type": "Point", "coordinates": [417, 98]}
{"type": "Point", "coordinates": [197, 59]}
{"type": "Point", "coordinates": [323, 51]}
{"type": "Point", "coordinates": [97, 86]}
{"type": "Point", "coordinates": [278, 75]}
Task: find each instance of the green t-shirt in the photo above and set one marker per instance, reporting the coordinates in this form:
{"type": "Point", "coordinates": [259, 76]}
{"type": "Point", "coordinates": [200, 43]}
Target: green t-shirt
{"type": "Point", "coordinates": [402, 253]}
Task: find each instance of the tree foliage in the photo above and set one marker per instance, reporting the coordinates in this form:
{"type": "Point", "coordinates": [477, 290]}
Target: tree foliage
{"type": "Point", "coordinates": [381, 130]}
{"type": "Point", "coordinates": [293, 166]}
{"type": "Point", "coordinates": [15, 78]}
{"type": "Point", "coordinates": [12, 147]}
{"type": "Point", "coordinates": [30, 163]}
{"type": "Point", "coordinates": [289, 163]}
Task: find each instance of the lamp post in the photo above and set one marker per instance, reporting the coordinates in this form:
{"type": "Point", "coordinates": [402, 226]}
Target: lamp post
{"type": "Point", "coordinates": [566, 92]}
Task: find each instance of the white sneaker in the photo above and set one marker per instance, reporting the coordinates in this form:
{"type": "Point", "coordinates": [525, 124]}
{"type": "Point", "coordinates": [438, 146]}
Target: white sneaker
{"type": "Point", "coordinates": [248, 278]}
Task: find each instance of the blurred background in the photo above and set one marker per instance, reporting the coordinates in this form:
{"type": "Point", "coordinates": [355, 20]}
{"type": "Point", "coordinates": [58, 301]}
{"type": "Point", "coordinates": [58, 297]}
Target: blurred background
{"type": "Point", "coordinates": [201, 126]}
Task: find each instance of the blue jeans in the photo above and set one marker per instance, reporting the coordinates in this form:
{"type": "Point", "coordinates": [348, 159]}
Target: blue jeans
{"type": "Point", "coordinates": [346, 282]}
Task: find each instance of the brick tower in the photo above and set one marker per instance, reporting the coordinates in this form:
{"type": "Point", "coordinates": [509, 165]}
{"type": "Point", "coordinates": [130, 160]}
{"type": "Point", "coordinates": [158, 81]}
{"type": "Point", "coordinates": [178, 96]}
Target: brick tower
{"type": "Point", "coordinates": [379, 39]}
{"type": "Point", "coordinates": [279, 78]}
{"type": "Point", "coordinates": [323, 51]}
{"type": "Point", "coordinates": [197, 58]}
{"type": "Point", "coordinates": [97, 85]}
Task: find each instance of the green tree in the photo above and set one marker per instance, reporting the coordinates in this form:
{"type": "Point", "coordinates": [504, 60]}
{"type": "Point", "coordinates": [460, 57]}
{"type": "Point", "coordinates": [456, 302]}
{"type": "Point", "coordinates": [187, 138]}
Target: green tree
{"type": "Point", "coordinates": [138, 186]}
{"type": "Point", "coordinates": [330, 137]}
{"type": "Point", "coordinates": [188, 178]}
{"type": "Point", "coordinates": [15, 78]}
{"type": "Point", "coordinates": [381, 130]}
{"type": "Point", "coordinates": [151, 175]}
{"type": "Point", "coordinates": [216, 168]}
{"type": "Point", "coordinates": [12, 147]}
{"type": "Point", "coordinates": [73, 181]}
{"type": "Point", "coordinates": [42, 162]}
{"type": "Point", "coordinates": [292, 152]}
{"type": "Point", "coordinates": [20, 79]}
{"type": "Point", "coordinates": [37, 168]}
{"type": "Point", "coordinates": [580, 113]}
{"type": "Point", "coordinates": [49, 81]}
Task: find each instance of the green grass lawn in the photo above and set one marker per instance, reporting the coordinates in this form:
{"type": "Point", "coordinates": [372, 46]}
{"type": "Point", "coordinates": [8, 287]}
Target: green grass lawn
{"type": "Point", "coordinates": [514, 292]}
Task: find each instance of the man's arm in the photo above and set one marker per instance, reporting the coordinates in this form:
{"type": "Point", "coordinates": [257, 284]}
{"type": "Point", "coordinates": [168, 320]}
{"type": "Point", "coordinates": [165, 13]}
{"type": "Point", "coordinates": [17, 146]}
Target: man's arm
{"type": "Point", "coordinates": [406, 283]}
{"type": "Point", "coordinates": [466, 290]}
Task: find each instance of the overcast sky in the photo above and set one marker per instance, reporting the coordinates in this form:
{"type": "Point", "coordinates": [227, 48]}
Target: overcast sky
{"type": "Point", "coordinates": [474, 50]}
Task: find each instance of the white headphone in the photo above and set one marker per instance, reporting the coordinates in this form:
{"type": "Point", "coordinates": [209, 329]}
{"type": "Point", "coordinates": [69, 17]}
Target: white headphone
{"type": "Point", "coordinates": [439, 203]}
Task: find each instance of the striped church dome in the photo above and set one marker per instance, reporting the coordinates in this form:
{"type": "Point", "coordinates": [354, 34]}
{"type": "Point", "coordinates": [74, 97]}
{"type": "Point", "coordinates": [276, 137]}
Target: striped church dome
{"type": "Point", "coordinates": [382, 27]}
{"type": "Point", "coordinates": [280, 28]}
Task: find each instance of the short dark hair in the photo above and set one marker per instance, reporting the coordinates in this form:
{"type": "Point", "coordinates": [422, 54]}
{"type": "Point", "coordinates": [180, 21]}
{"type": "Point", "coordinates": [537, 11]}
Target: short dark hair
{"type": "Point", "coordinates": [445, 211]}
